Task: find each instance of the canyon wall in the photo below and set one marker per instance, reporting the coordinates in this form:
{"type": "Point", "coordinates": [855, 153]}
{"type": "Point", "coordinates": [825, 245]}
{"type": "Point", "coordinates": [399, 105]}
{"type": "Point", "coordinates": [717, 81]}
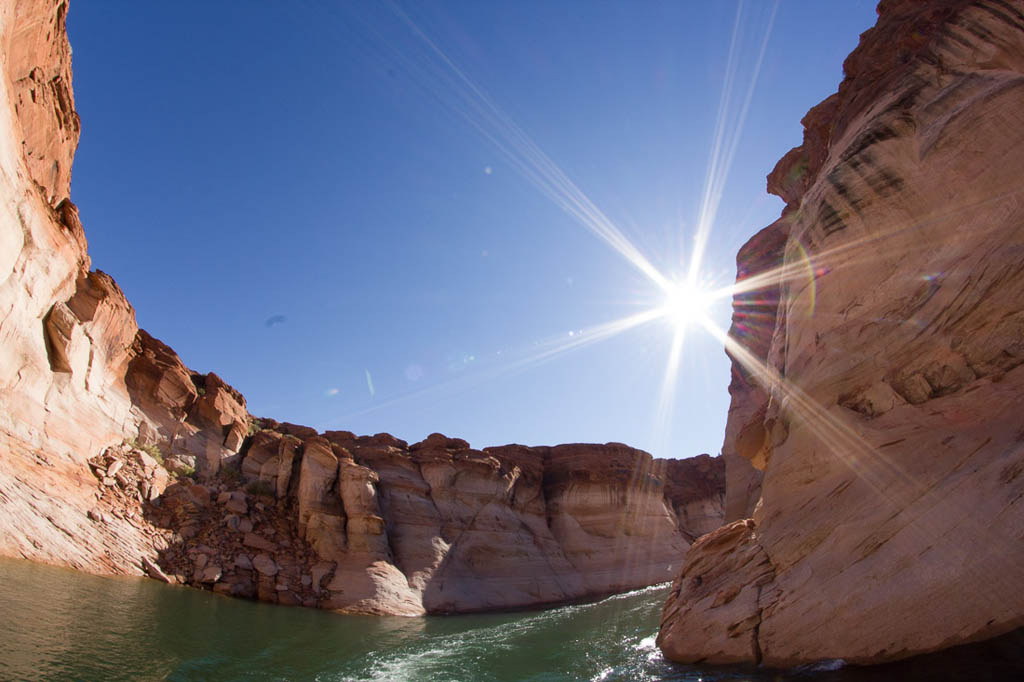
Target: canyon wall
{"type": "Point", "coordinates": [371, 524]}
{"type": "Point", "coordinates": [64, 332]}
{"type": "Point", "coordinates": [76, 373]}
{"type": "Point", "coordinates": [875, 443]}
{"type": "Point", "coordinates": [115, 457]}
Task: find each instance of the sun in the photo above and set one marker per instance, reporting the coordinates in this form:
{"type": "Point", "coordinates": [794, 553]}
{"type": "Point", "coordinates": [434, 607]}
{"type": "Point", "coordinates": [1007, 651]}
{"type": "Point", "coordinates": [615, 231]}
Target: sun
{"type": "Point", "coordinates": [684, 304]}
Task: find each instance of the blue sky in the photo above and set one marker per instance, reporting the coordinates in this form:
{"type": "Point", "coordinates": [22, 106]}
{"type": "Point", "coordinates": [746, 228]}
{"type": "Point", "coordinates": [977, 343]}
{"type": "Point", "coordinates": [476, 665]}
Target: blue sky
{"type": "Point", "coordinates": [354, 212]}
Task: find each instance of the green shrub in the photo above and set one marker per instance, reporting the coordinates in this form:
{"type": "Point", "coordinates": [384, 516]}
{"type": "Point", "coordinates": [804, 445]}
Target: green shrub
{"type": "Point", "coordinates": [255, 426]}
{"type": "Point", "coordinates": [152, 450]}
{"type": "Point", "coordinates": [260, 487]}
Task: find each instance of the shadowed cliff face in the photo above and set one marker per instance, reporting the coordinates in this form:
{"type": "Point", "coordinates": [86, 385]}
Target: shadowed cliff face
{"type": "Point", "coordinates": [366, 524]}
{"type": "Point", "coordinates": [880, 399]}
{"type": "Point", "coordinates": [755, 316]}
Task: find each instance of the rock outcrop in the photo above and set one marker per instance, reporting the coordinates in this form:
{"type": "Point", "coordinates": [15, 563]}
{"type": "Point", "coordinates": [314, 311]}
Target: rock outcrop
{"type": "Point", "coordinates": [755, 315]}
{"type": "Point", "coordinates": [875, 435]}
{"type": "Point", "coordinates": [695, 488]}
{"type": "Point", "coordinates": [372, 525]}
{"type": "Point", "coordinates": [184, 411]}
{"type": "Point", "coordinates": [115, 457]}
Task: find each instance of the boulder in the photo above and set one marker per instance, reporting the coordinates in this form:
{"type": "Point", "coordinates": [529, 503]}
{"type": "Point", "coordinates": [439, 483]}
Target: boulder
{"type": "Point", "coordinates": [209, 574]}
{"type": "Point", "coordinates": [258, 542]}
{"type": "Point", "coordinates": [264, 564]}
{"type": "Point", "coordinates": [154, 571]}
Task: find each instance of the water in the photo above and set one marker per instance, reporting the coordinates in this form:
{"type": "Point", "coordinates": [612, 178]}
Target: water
{"type": "Point", "coordinates": [58, 624]}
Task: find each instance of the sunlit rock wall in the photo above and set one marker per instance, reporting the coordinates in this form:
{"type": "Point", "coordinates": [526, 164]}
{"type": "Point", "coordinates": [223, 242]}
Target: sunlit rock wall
{"type": "Point", "coordinates": [885, 414]}
{"type": "Point", "coordinates": [76, 373]}
{"type": "Point", "coordinates": [64, 331]}
{"type": "Point", "coordinates": [440, 527]}
{"type": "Point", "coordinates": [58, 372]}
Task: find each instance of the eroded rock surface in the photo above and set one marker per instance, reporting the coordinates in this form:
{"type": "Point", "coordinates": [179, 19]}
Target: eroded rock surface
{"type": "Point", "coordinates": [64, 331]}
{"type": "Point", "coordinates": [695, 489]}
{"type": "Point", "coordinates": [883, 413]}
{"type": "Point", "coordinates": [726, 576]}
{"type": "Point", "coordinates": [437, 526]}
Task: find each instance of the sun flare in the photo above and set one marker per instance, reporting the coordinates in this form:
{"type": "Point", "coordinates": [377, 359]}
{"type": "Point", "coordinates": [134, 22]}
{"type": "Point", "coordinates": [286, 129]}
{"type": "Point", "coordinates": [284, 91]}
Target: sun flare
{"type": "Point", "coordinates": [684, 304]}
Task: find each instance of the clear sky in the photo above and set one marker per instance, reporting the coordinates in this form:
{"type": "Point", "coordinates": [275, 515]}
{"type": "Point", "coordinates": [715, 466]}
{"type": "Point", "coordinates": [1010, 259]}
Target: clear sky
{"type": "Point", "coordinates": [404, 216]}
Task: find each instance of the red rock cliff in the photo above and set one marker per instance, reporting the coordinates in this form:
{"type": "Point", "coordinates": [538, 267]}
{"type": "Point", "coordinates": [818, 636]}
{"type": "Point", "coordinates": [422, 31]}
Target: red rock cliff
{"type": "Point", "coordinates": [65, 332]}
{"type": "Point", "coordinates": [882, 406]}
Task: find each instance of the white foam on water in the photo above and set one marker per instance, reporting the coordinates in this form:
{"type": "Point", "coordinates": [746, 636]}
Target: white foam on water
{"type": "Point", "coordinates": [409, 665]}
{"type": "Point", "coordinates": [648, 643]}
{"type": "Point", "coordinates": [455, 655]}
{"type": "Point", "coordinates": [649, 647]}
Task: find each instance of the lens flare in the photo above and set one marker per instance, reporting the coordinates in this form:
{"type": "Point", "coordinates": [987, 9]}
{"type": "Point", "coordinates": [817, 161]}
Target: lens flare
{"type": "Point", "coordinates": [685, 303]}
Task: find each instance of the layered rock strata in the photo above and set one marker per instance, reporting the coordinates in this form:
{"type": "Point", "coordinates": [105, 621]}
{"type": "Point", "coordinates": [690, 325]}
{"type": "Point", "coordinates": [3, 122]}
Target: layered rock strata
{"type": "Point", "coordinates": [882, 416]}
{"type": "Point", "coordinates": [695, 488]}
{"type": "Point", "coordinates": [115, 457]}
{"type": "Point", "coordinates": [372, 525]}
{"type": "Point", "coordinates": [64, 331]}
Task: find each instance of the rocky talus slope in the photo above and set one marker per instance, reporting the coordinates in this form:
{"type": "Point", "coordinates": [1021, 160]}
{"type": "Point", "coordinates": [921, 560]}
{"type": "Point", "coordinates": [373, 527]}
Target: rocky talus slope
{"type": "Point", "coordinates": [116, 457]}
{"type": "Point", "coordinates": [875, 444]}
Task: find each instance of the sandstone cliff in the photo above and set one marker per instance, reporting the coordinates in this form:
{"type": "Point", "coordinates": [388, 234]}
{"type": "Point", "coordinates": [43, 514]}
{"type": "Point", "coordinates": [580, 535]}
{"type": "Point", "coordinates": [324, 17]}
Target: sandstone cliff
{"type": "Point", "coordinates": [874, 435]}
{"type": "Point", "coordinates": [90, 404]}
{"type": "Point", "coordinates": [64, 331]}
{"type": "Point", "coordinates": [370, 524]}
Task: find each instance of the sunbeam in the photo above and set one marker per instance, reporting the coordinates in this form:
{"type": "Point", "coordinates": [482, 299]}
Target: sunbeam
{"type": "Point", "coordinates": [667, 394]}
{"type": "Point", "coordinates": [850, 253]}
{"type": "Point", "coordinates": [480, 111]}
{"type": "Point", "coordinates": [682, 298]}
{"type": "Point", "coordinates": [551, 349]}
{"type": "Point", "coordinates": [725, 139]}
{"type": "Point", "coordinates": [890, 481]}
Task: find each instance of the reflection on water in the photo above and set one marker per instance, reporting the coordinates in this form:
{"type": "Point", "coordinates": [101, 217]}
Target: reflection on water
{"type": "Point", "coordinates": [58, 624]}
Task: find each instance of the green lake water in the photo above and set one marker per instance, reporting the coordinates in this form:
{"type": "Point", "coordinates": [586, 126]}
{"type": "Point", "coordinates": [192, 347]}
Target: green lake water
{"type": "Point", "coordinates": [57, 624]}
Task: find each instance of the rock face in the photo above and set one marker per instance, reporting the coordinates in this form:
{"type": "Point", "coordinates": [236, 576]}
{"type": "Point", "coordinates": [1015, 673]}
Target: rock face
{"type": "Point", "coordinates": [755, 315]}
{"type": "Point", "coordinates": [182, 410]}
{"type": "Point", "coordinates": [372, 525]}
{"type": "Point", "coordinates": [64, 331]}
{"type": "Point", "coordinates": [76, 373]}
{"type": "Point", "coordinates": [695, 489]}
{"type": "Point", "coordinates": [874, 434]}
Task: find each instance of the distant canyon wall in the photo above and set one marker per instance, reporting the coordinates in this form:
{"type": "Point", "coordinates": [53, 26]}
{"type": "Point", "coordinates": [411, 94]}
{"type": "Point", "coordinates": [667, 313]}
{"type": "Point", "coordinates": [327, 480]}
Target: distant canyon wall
{"type": "Point", "coordinates": [875, 445]}
{"type": "Point", "coordinates": [371, 524]}
{"type": "Point", "coordinates": [90, 404]}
